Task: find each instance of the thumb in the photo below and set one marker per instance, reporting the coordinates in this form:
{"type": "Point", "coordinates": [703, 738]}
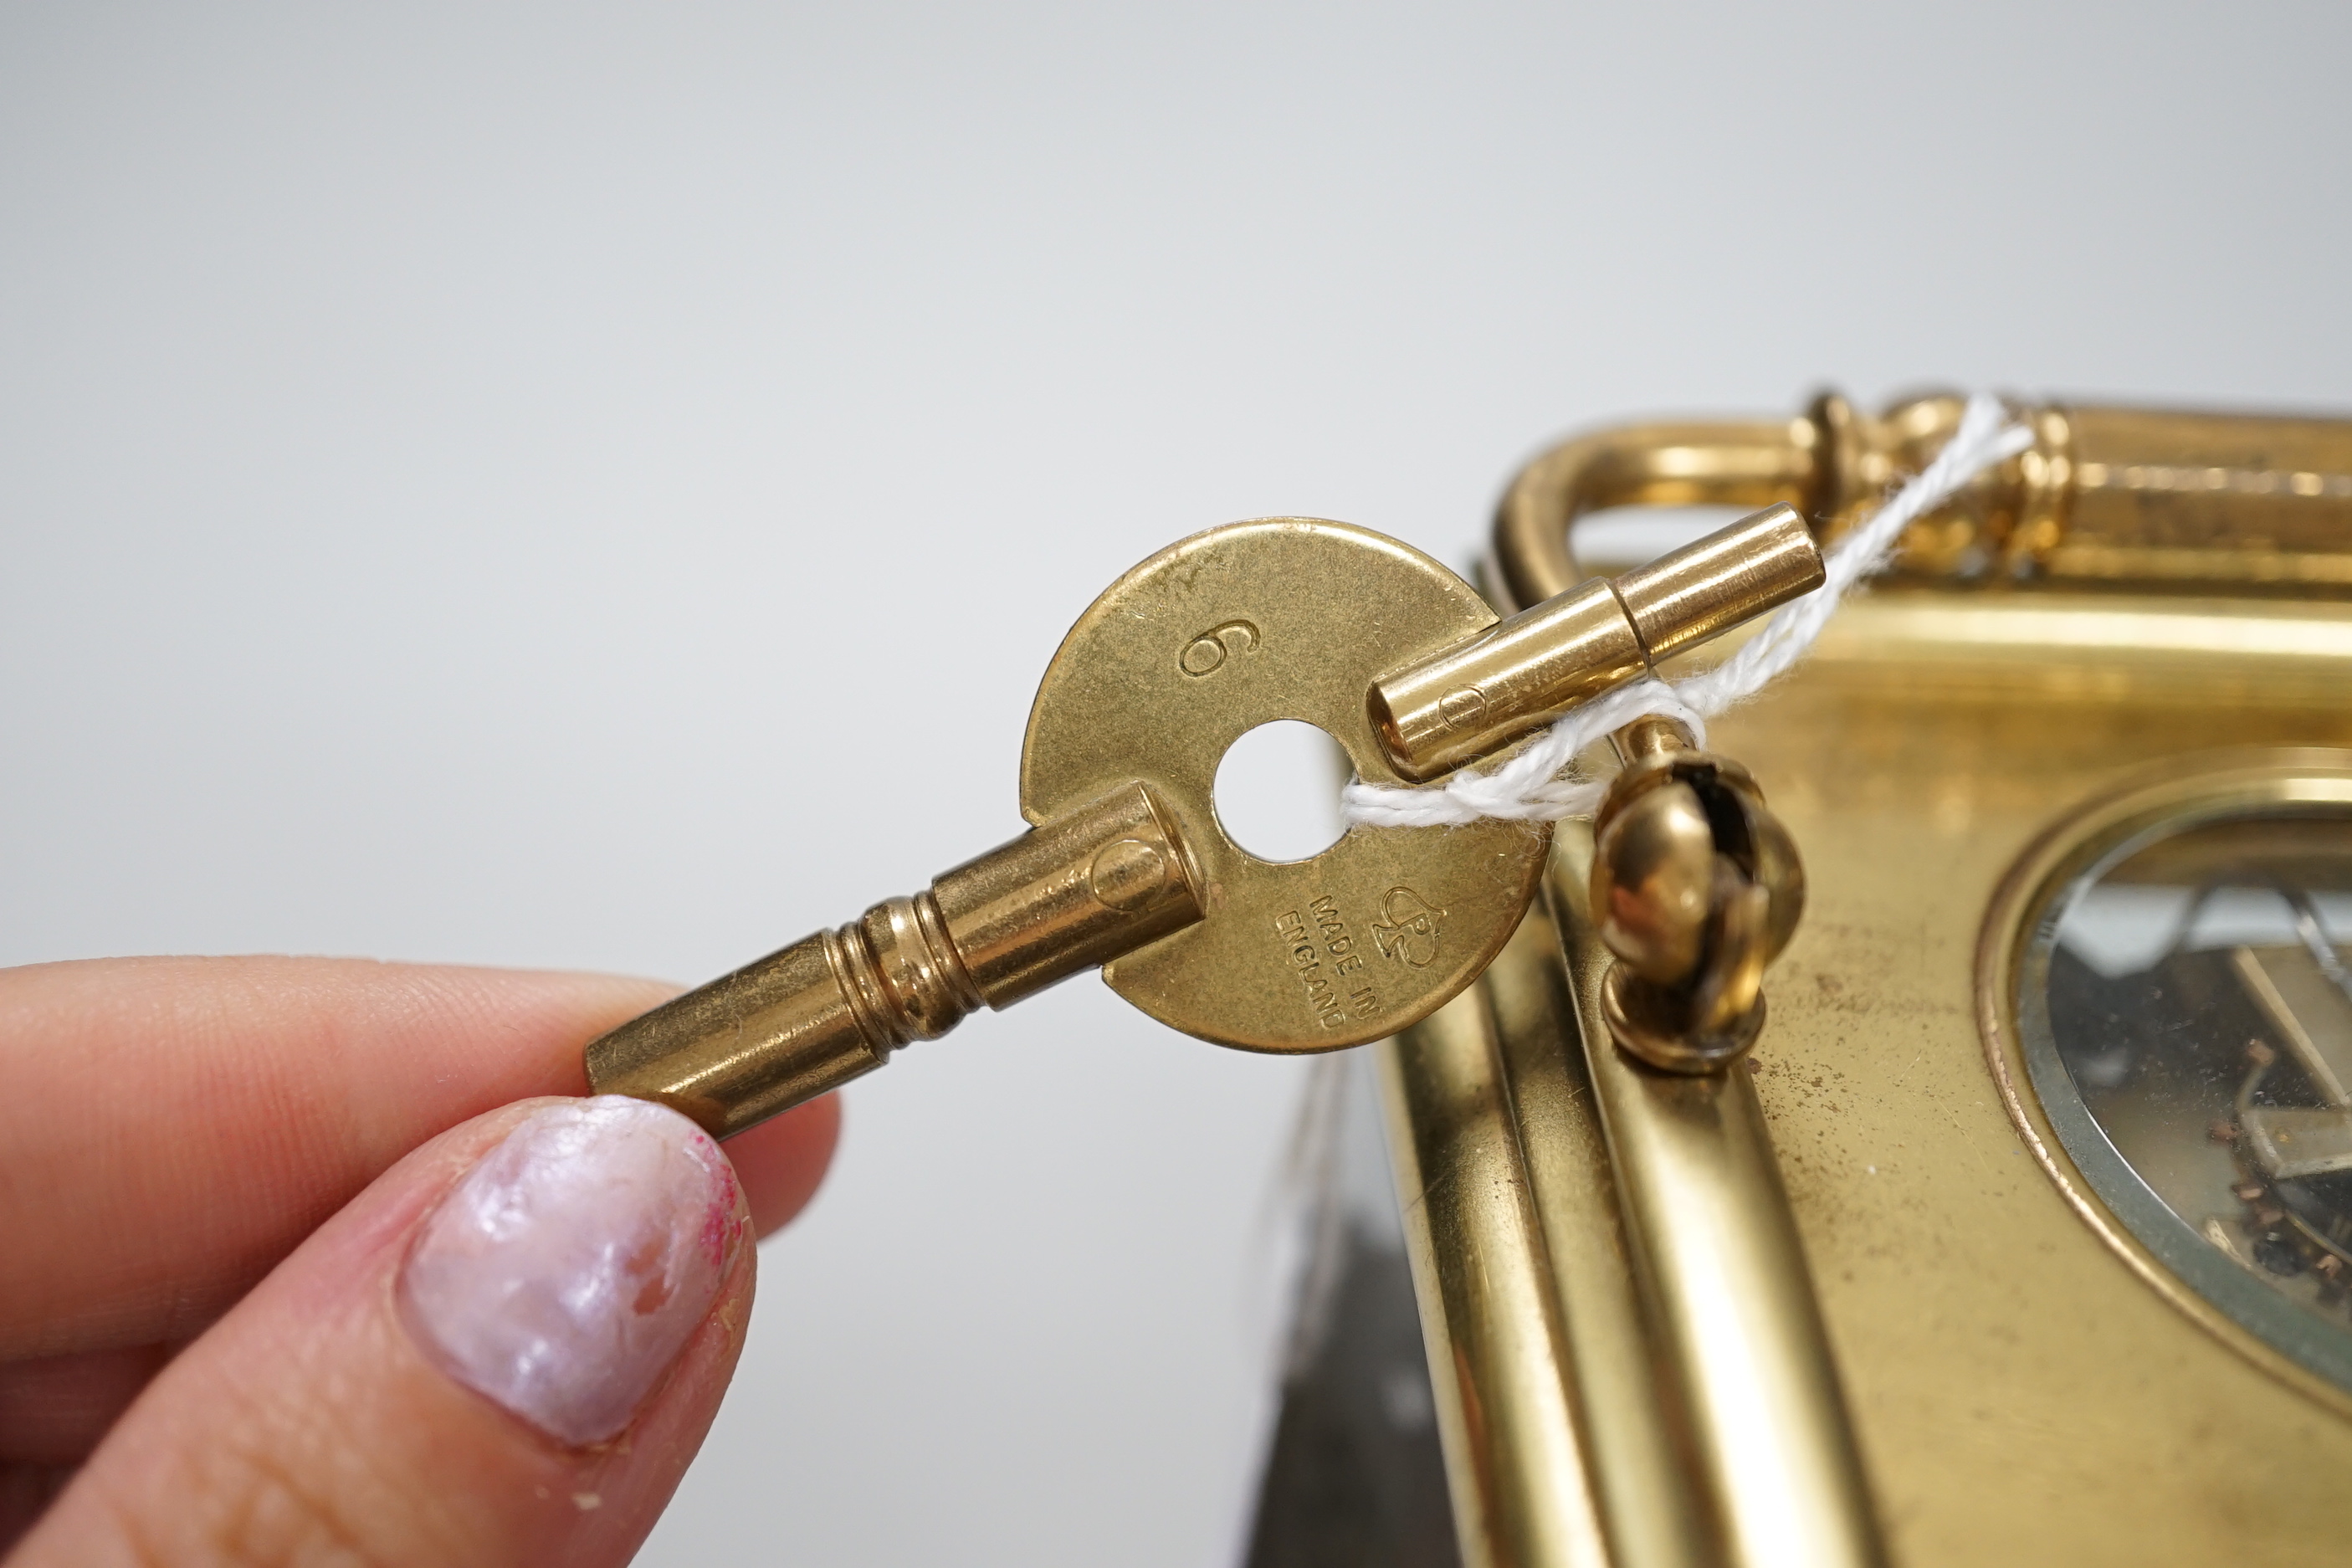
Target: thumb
{"type": "Point", "coordinates": [504, 1352]}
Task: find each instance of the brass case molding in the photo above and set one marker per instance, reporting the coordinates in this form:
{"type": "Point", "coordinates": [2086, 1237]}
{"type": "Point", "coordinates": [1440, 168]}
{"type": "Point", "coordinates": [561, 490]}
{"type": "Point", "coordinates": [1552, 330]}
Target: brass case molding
{"type": "Point", "coordinates": [1732, 1305]}
{"type": "Point", "coordinates": [1610, 1277]}
{"type": "Point", "coordinates": [1518, 1460]}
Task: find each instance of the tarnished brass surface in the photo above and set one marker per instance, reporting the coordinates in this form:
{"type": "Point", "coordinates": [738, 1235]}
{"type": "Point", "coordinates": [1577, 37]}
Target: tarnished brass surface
{"type": "Point", "coordinates": [1104, 877]}
{"type": "Point", "coordinates": [2115, 495]}
{"type": "Point", "coordinates": [2105, 496]}
{"type": "Point", "coordinates": [1439, 712]}
{"type": "Point", "coordinates": [2022, 1393]}
{"type": "Point", "coordinates": [2153, 492]}
{"type": "Point", "coordinates": [1282, 618]}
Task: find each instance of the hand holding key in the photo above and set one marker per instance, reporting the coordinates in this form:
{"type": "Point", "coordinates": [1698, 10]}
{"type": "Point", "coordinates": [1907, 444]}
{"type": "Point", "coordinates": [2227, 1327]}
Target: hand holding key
{"type": "Point", "coordinates": [320, 1259]}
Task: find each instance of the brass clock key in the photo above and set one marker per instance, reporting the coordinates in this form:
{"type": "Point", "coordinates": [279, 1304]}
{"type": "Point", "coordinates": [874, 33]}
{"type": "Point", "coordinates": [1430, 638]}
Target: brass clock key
{"type": "Point", "coordinates": [1126, 866]}
{"type": "Point", "coordinates": [1351, 944]}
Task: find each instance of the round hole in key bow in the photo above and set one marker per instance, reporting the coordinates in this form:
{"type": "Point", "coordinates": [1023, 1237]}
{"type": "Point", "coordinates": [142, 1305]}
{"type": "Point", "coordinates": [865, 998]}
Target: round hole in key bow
{"type": "Point", "coordinates": [1278, 790]}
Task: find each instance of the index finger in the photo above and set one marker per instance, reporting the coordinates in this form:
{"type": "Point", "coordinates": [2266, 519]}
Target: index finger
{"type": "Point", "coordinates": [174, 1126]}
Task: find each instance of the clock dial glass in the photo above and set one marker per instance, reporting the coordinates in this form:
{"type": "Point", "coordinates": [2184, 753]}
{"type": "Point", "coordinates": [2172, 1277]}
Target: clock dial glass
{"type": "Point", "coordinates": [2186, 1017]}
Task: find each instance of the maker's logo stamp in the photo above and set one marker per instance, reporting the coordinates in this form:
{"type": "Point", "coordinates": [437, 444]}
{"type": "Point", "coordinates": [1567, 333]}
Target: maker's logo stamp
{"type": "Point", "coordinates": [1408, 928]}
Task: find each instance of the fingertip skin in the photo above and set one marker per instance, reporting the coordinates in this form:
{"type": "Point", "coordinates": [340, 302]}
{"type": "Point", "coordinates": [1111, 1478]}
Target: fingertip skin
{"type": "Point", "coordinates": [784, 1161]}
{"type": "Point", "coordinates": [310, 1422]}
{"type": "Point", "coordinates": [223, 1108]}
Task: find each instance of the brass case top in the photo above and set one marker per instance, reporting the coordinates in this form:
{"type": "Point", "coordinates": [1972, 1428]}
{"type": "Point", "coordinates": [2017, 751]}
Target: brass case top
{"type": "Point", "coordinates": [2021, 1396]}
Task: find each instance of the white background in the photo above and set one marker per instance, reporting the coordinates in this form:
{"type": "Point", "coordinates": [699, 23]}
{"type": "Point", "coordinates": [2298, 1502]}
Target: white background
{"type": "Point", "coordinates": [594, 487]}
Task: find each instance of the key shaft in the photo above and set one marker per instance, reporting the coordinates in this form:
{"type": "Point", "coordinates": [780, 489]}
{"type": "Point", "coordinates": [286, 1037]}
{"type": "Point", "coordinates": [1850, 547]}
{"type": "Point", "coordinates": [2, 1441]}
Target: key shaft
{"type": "Point", "coordinates": [1093, 883]}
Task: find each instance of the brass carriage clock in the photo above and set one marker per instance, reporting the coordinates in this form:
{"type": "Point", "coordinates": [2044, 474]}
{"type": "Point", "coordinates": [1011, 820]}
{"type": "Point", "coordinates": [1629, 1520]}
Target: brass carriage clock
{"type": "Point", "coordinates": [2024, 1235]}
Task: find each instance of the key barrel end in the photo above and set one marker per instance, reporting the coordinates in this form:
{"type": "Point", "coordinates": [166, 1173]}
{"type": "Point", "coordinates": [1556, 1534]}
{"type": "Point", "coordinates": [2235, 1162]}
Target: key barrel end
{"type": "Point", "coordinates": [1471, 701]}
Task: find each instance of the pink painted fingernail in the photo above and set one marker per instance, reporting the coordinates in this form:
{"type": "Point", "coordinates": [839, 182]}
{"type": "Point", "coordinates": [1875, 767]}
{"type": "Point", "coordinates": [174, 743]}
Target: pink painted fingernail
{"type": "Point", "coordinates": [564, 1273]}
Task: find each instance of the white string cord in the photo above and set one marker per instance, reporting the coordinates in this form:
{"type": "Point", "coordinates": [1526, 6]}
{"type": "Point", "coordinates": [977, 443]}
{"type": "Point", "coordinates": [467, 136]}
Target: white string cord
{"type": "Point", "coordinates": [1529, 785]}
